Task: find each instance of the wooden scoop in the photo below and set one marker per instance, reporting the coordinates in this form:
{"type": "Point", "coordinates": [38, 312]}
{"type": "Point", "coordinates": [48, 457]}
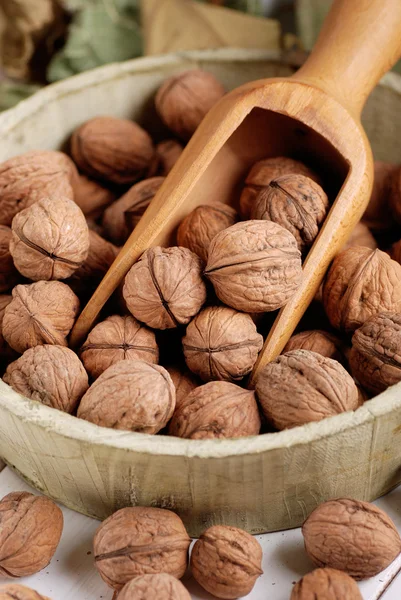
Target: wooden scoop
{"type": "Point", "coordinates": [313, 115]}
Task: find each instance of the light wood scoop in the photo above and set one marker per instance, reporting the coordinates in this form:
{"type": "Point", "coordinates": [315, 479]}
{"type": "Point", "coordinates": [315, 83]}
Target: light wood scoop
{"type": "Point", "coordinates": [313, 115]}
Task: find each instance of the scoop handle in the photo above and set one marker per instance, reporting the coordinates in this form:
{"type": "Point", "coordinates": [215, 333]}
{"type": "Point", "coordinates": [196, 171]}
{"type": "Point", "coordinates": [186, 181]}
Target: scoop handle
{"type": "Point", "coordinates": [359, 42]}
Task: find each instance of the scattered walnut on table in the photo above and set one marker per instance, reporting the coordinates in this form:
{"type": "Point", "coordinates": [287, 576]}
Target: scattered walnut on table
{"type": "Point", "coordinates": [322, 342]}
{"type": "Point", "coordinates": [160, 586]}
{"type": "Point", "coordinates": [14, 591]}
{"type": "Point", "coordinates": [91, 196]}
{"type": "Point", "coordinates": [326, 584]}
{"type": "Point", "coordinates": [8, 273]}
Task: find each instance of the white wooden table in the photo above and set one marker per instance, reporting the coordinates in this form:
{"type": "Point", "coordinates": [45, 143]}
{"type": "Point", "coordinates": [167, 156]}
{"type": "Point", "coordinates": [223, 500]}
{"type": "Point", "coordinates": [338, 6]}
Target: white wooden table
{"type": "Point", "coordinates": [72, 576]}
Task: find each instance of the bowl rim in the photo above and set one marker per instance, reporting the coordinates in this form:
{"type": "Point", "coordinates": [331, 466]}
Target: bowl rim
{"type": "Point", "coordinates": [69, 426]}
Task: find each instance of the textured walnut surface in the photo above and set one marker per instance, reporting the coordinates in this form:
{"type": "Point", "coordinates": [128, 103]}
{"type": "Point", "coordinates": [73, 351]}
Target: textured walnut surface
{"type": "Point", "coordinates": [8, 273]}
{"type": "Point", "coordinates": [160, 586]}
{"type": "Point", "coordinates": [40, 313]}
{"type": "Point", "coordinates": [226, 561]}
{"type": "Point", "coordinates": [254, 266]}
{"type": "Point", "coordinates": [14, 591]}
{"type": "Point", "coordinates": [139, 540]}
{"type": "Point", "coordinates": [302, 386]}
{"type": "Point", "coordinates": [352, 536]}
{"type": "Point", "coordinates": [218, 409]}
{"type": "Point", "coordinates": [30, 530]}
{"type": "Point", "coordinates": [168, 152]}
{"type": "Point", "coordinates": [100, 257]}
{"type": "Point", "coordinates": [361, 236]}
{"type": "Point", "coordinates": [221, 343]}
{"type": "Point", "coordinates": [90, 195]}
{"type": "Point", "coordinates": [184, 382]}
{"type": "Point", "coordinates": [118, 338]}
{"type": "Point", "coordinates": [50, 239]}
{"type": "Point", "coordinates": [326, 584]}
{"type": "Point", "coordinates": [53, 375]}
{"type": "Point", "coordinates": [132, 395]}
{"type": "Point", "coordinates": [322, 342]}
{"type": "Point", "coordinates": [164, 288]}
{"type": "Point", "coordinates": [5, 300]}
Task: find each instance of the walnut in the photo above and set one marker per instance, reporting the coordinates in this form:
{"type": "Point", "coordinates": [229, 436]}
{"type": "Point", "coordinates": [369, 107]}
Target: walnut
{"type": "Point", "coordinates": [395, 252]}
{"type": "Point", "coordinates": [14, 591]}
{"type": "Point", "coordinates": [184, 99]}
{"type": "Point", "coordinates": [226, 561]}
{"type": "Point", "coordinates": [52, 375]}
{"type": "Point", "coordinates": [218, 409]}
{"type": "Point", "coordinates": [140, 540]}
{"type": "Point", "coordinates": [254, 266]}
{"type": "Point", "coordinates": [295, 202]}
{"type": "Point", "coordinates": [322, 342]}
{"type": "Point", "coordinates": [395, 193]}
{"type": "Point", "coordinates": [160, 586]}
{"type": "Point", "coordinates": [91, 196]}
{"type": "Point", "coordinates": [262, 173]}
{"type": "Point", "coordinates": [50, 239]}
{"type": "Point", "coordinates": [164, 288]}
{"type": "Point", "coordinates": [352, 536]}
{"type": "Point", "coordinates": [40, 313]}
{"type": "Point", "coordinates": [184, 382]}
{"type": "Point", "coordinates": [122, 216]}
{"type": "Point", "coordinates": [361, 236]}
{"type": "Point", "coordinates": [100, 257]}
{"type": "Point", "coordinates": [198, 229]}
{"type": "Point", "coordinates": [118, 338]}
{"type": "Point", "coordinates": [326, 584]}
{"type": "Point", "coordinates": [7, 354]}
{"type": "Point", "coordinates": [8, 273]}
{"type": "Point", "coordinates": [30, 530]}
{"type": "Point", "coordinates": [302, 386]}
{"type": "Point", "coordinates": [131, 395]}
{"type": "Point", "coordinates": [221, 343]}
{"type": "Point", "coordinates": [362, 396]}
{"type": "Point", "coordinates": [378, 215]}
{"type": "Point", "coordinates": [32, 176]}
{"type": "Point", "coordinates": [360, 283]}
{"type": "Point", "coordinates": [168, 153]}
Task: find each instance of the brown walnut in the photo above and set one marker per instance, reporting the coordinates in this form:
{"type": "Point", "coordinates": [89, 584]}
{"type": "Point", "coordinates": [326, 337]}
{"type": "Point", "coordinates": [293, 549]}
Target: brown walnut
{"type": "Point", "coordinates": [118, 338]}
{"type": "Point", "coordinates": [295, 202]}
{"type": "Point", "coordinates": [7, 354]}
{"type": "Point", "coordinates": [361, 236]}
{"type": "Point", "coordinates": [140, 540]}
{"type": "Point", "coordinates": [112, 149]}
{"type": "Point", "coordinates": [50, 239]}
{"type": "Point", "coordinates": [226, 561]}
{"type": "Point", "coordinates": [221, 343]}
{"type": "Point", "coordinates": [184, 382]}
{"type": "Point", "coordinates": [198, 229]}
{"type": "Point", "coordinates": [351, 536]}
{"type": "Point", "coordinates": [40, 313]}
{"type": "Point", "coordinates": [322, 342]}
{"type": "Point", "coordinates": [168, 152]}
{"type": "Point", "coordinates": [378, 215]}
{"type": "Point", "coordinates": [14, 591]}
{"type": "Point", "coordinates": [184, 99]}
{"type": "Point", "coordinates": [32, 176]}
{"type": "Point", "coordinates": [326, 584]}
{"type": "Point", "coordinates": [360, 283]}
{"type": "Point", "coordinates": [165, 289]}
{"type": "Point", "coordinates": [100, 257]}
{"type": "Point", "coordinates": [302, 386]}
{"type": "Point", "coordinates": [91, 196]}
{"type": "Point", "coordinates": [30, 530]}
{"type": "Point", "coordinates": [254, 266]}
{"type": "Point", "coordinates": [8, 273]}
{"type": "Point", "coordinates": [160, 586]}
{"type": "Point", "coordinates": [131, 395]}
{"type": "Point", "coordinates": [263, 172]}
{"type": "Point", "coordinates": [52, 375]}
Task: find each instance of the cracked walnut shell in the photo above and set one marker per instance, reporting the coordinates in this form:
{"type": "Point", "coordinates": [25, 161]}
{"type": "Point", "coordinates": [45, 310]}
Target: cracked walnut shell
{"type": "Point", "coordinates": [221, 343]}
{"type": "Point", "coordinates": [160, 586]}
{"type": "Point", "coordinates": [30, 530]}
{"type": "Point", "coordinates": [8, 273]}
{"type": "Point", "coordinates": [14, 591]}
{"type": "Point", "coordinates": [165, 289]}
{"type": "Point", "coordinates": [254, 266]}
{"type": "Point", "coordinates": [352, 536]}
{"type": "Point", "coordinates": [302, 386]}
{"type": "Point", "coordinates": [322, 342]}
{"type": "Point", "coordinates": [50, 239]}
{"type": "Point", "coordinates": [140, 540]}
{"type": "Point", "coordinates": [226, 561]}
{"type": "Point", "coordinates": [326, 584]}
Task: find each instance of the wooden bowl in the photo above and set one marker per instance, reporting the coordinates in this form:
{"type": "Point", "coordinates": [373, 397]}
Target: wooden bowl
{"type": "Point", "coordinates": [262, 483]}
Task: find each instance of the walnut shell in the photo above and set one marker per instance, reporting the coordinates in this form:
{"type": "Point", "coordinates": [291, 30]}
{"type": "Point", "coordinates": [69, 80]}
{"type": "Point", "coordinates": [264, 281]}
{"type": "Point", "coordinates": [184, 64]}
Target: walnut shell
{"type": "Point", "coordinates": [221, 343]}
{"type": "Point", "coordinates": [118, 338]}
{"type": "Point", "coordinates": [7, 354]}
{"type": "Point", "coordinates": [322, 342]}
{"type": "Point", "coordinates": [351, 536]}
{"type": "Point", "coordinates": [184, 382]}
{"type": "Point", "coordinates": [378, 215]}
{"type": "Point", "coordinates": [140, 540]}
{"type": "Point", "coordinates": [112, 149]}
{"type": "Point", "coordinates": [326, 584]}
{"type": "Point", "coordinates": [30, 530]}
{"type": "Point", "coordinates": [198, 229]}
{"type": "Point", "coordinates": [254, 266]}
{"type": "Point", "coordinates": [295, 202]}
{"type": "Point", "coordinates": [184, 99]}
{"type": "Point", "coordinates": [52, 375]}
{"type": "Point", "coordinates": [302, 386]}
{"type": "Point", "coordinates": [122, 216]}
{"type": "Point", "coordinates": [218, 409]}
{"type": "Point", "coordinates": [50, 239]}
{"type": "Point", "coordinates": [160, 586]}
{"type": "Point", "coordinates": [91, 196]}
{"type": "Point", "coordinates": [168, 152]}
{"type": "Point", "coordinates": [361, 236]}
{"type": "Point", "coordinates": [226, 561]}
{"type": "Point", "coordinates": [360, 283]}
{"type": "Point", "coordinates": [165, 288]}
{"type": "Point", "coordinates": [100, 257]}
{"type": "Point", "coordinates": [32, 176]}
{"type": "Point", "coordinates": [395, 193]}
{"type": "Point", "coordinates": [8, 273]}
{"type": "Point", "coordinates": [131, 395]}
{"type": "Point", "coordinates": [375, 357]}
{"type": "Point", "coordinates": [14, 591]}
{"type": "Point", "coordinates": [40, 313]}
{"type": "Point", "coordinates": [263, 172]}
